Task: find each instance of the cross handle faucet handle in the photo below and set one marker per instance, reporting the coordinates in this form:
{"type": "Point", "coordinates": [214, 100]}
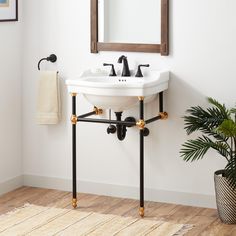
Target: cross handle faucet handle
{"type": "Point", "coordinates": [113, 72]}
{"type": "Point", "coordinates": [139, 72]}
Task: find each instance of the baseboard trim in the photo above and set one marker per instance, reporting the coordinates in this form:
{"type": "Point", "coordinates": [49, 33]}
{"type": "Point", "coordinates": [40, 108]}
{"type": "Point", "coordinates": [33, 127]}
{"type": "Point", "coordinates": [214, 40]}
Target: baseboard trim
{"type": "Point", "coordinates": [11, 184]}
{"type": "Point", "coordinates": [190, 199]}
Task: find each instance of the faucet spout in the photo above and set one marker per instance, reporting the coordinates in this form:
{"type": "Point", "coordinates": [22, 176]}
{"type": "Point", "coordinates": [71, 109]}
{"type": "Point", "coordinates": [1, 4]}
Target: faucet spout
{"type": "Point", "coordinates": [125, 71]}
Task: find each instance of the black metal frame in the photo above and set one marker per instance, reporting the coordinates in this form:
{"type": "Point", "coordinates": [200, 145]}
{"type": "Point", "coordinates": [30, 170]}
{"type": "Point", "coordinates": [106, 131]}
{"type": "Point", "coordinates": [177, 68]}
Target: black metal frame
{"type": "Point", "coordinates": [16, 15]}
{"type": "Point", "coordinates": [141, 164]}
{"type": "Point", "coordinates": [83, 118]}
{"type": "Point", "coordinates": [74, 200]}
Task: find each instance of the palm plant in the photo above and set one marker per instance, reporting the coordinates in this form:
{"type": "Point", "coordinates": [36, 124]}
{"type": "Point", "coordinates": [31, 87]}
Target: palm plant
{"type": "Point", "coordinates": [218, 127]}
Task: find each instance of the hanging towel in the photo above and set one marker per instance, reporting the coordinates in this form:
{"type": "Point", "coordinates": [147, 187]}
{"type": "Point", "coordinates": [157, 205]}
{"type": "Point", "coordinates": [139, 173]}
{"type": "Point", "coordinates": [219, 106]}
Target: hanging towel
{"type": "Point", "coordinates": [48, 102]}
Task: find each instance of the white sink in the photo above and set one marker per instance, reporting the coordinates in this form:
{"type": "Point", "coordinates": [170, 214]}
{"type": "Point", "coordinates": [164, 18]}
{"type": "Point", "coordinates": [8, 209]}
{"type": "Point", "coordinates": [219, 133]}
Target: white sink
{"type": "Point", "coordinates": [118, 93]}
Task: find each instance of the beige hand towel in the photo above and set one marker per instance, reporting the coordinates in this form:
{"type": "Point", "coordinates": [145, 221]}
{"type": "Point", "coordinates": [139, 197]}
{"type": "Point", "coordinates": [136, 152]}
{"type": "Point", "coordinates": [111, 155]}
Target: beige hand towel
{"type": "Point", "coordinates": [48, 102]}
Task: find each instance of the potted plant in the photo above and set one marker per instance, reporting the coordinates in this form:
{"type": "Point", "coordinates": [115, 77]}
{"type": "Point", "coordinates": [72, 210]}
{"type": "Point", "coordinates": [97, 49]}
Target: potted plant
{"type": "Point", "coordinates": [217, 126]}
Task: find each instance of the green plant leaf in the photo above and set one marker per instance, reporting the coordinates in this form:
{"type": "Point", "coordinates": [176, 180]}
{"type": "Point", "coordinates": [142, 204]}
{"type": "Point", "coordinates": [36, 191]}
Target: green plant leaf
{"type": "Point", "coordinates": [207, 120]}
{"type": "Point", "coordinates": [204, 120]}
{"type": "Point", "coordinates": [221, 107]}
{"type": "Point", "coordinates": [219, 133]}
{"type": "Point", "coordinates": [227, 128]}
{"type": "Point", "coordinates": [233, 111]}
{"type": "Point", "coordinates": [196, 149]}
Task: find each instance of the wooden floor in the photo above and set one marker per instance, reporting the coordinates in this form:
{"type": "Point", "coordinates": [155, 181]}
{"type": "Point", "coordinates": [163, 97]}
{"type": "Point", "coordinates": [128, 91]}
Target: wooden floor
{"type": "Point", "coordinates": [205, 220]}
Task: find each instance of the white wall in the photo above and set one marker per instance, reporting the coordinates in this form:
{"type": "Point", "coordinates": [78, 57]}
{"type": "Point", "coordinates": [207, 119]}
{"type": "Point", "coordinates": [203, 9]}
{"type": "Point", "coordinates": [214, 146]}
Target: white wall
{"type": "Point", "coordinates": [10, 101]}
{"type": "Point", "coordinates": [201, 61]}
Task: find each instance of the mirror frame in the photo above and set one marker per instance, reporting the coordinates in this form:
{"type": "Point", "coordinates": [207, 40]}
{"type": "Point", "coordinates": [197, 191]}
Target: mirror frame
{"type": "Point", "coordinates": [162, 48]}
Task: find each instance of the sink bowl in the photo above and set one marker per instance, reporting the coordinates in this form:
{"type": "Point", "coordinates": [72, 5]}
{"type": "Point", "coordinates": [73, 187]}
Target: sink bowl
{"type": "Point", "coordinates": [118, 93]}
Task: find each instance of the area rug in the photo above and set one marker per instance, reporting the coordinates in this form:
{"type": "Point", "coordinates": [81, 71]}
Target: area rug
{"type": "Point", "coordinates": [37, 220]}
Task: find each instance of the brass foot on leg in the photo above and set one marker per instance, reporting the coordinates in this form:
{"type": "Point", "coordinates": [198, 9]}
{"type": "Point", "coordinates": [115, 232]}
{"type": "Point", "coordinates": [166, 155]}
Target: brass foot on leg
{"type": "Point", "coordinates": [141, 211]}
{"type": "Point", "coordinates": [74, 202]}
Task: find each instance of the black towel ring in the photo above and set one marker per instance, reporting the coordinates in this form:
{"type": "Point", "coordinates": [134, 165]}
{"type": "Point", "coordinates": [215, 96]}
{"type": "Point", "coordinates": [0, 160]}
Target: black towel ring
{"type": "Point", "coordinates": [52, 58]}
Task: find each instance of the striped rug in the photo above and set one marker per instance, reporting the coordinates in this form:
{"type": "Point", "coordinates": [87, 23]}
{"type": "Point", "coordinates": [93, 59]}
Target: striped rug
{"type": "Point", "coordinates": [37, 220]}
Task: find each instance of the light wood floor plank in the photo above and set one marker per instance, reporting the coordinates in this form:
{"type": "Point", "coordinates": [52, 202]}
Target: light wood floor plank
{"type": "Point", "coordinates": [217, 228]}
{"type": "Point", "coordinates": [205, 220]}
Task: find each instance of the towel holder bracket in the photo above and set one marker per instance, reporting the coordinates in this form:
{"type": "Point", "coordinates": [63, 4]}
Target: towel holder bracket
{"type": "Point", "coordinates": [52, 58]}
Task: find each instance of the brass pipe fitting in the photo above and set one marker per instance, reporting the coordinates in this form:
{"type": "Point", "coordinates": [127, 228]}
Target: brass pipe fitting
{"type": "Point", "coordinates": [141, 124]}
{"type": "Point", "coordinates": [140, 98]}
{"type": "Point", "coordinates": [73, 94]}
{"type": "Point", "coordinates": [141, 211]}
{"type": "Point", "coordinates": [74, 202]}
{"type": "Point", "coordinates": [98, 111]}
{"type": "Point", "coordinates": [164, 115]}
{"type": "Point", "coordinates": [73, 119]}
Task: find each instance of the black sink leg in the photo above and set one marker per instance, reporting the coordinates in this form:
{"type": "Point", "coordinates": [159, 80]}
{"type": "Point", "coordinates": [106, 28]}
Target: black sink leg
{"type": "Point", "coordinates": [141, 134]}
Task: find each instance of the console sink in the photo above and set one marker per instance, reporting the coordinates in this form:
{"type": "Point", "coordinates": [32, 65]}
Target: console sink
{"type": "Point", "coordinates": [118, 93]}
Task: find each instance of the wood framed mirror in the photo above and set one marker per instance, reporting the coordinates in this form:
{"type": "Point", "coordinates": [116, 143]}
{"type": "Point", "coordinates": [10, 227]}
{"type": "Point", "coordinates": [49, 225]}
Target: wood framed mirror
{"type": "Point", "coordinates": [157, 24]}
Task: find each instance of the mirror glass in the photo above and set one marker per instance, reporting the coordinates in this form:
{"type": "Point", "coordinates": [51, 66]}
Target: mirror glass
{"type": "Point", "coordinates": [129, 21]}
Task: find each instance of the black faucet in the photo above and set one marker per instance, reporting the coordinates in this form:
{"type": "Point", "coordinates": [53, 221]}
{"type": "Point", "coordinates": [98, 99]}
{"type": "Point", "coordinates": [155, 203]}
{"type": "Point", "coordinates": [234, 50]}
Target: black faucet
{"type": "Point", "coordinates": [113, 72]}
{"type": "Point", "coordinates": [126, 71]}
{"type": "Point", "coordinates": [139, 72]}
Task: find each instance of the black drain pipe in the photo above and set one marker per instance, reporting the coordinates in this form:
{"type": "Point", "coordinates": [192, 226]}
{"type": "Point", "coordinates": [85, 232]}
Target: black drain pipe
{"type": "Point", "coordinates": [121, 129]}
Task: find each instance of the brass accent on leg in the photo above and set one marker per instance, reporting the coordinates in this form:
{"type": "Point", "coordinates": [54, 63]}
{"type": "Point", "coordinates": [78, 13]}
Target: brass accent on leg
{"type": "Point", "coordinates": [73, 119]}
{"type": "Point", "coordinates": [141, 211]}
{"type": "Point", "coordinates": [74, 202]}
{"type": "Point", "coordinates": [73, 94]}
{"type": "Point", "coordinates": [140, 98]}
{"type": "Point", "coordinates": [141, 124]}
{"type": "Point", "coordinates": [98, 111]}
{"type": "Point", "coordinates": [164, 115]}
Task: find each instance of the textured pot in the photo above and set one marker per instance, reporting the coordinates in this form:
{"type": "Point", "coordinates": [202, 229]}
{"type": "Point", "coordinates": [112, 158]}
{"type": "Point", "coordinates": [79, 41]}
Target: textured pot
{"type": "Point", "coordinates": [225, 199]}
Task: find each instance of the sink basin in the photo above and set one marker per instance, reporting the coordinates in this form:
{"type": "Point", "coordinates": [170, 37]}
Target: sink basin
{"type": "Point", "coordinates": [118, 93]}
